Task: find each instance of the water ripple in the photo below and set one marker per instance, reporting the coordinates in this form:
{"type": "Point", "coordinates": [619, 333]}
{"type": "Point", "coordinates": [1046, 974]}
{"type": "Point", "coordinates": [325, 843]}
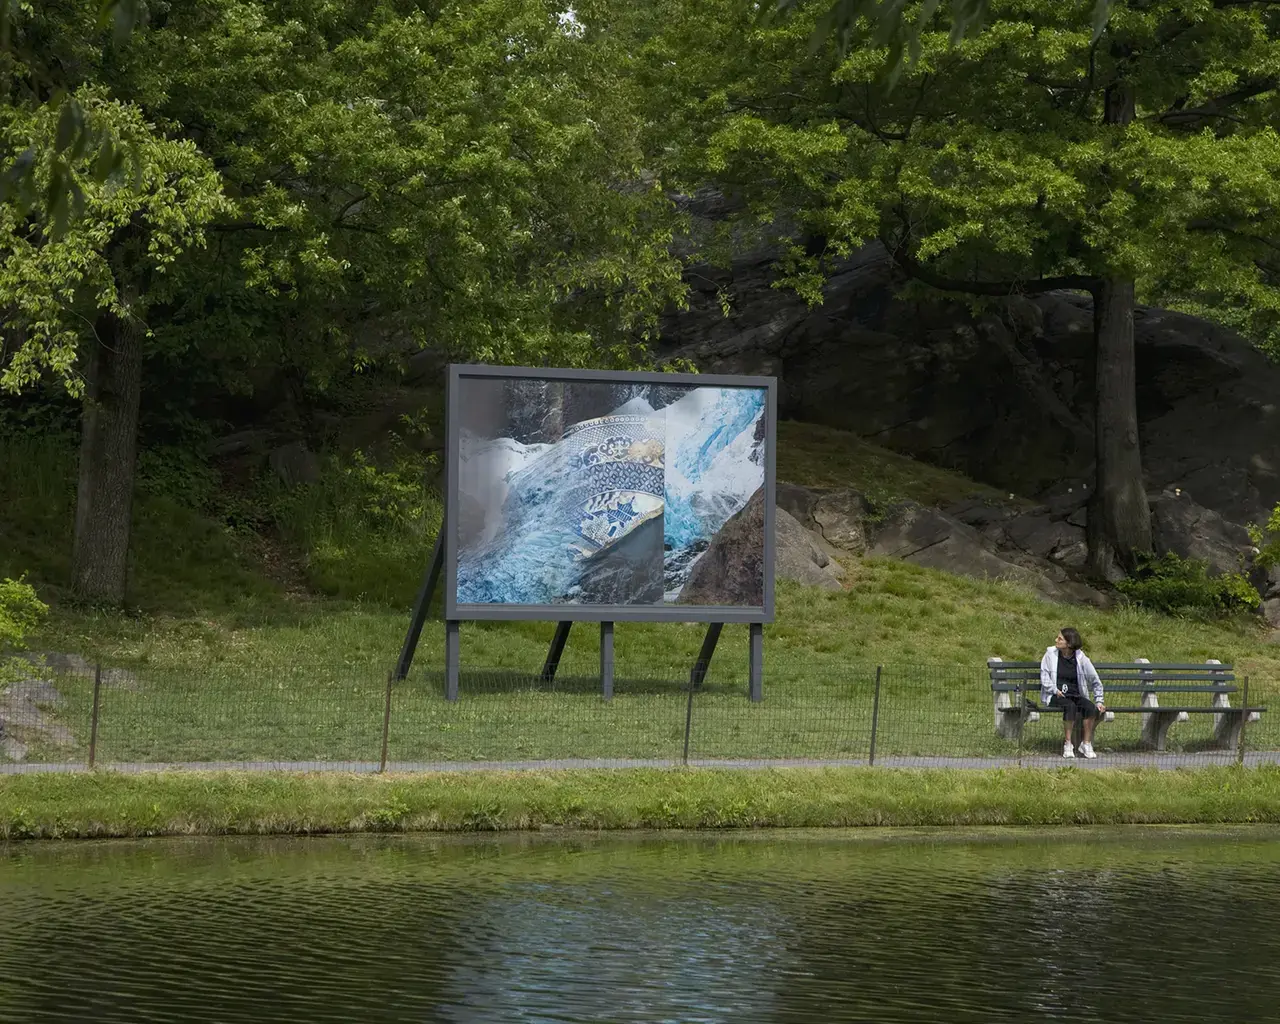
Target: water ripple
{"type": "Point", "coordinates": [1167, 927]}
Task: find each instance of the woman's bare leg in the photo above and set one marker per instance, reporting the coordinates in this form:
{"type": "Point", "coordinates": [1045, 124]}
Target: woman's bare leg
{"type": "Point", "coordinates": [1089, 725]}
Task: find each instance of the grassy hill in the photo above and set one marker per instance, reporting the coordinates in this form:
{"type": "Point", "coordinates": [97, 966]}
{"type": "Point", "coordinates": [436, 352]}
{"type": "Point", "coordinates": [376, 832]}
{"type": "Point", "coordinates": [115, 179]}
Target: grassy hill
{"type": "Point", "coordinates": [313, 587]}
{"type": "Point", "coordinates": [294, 624]}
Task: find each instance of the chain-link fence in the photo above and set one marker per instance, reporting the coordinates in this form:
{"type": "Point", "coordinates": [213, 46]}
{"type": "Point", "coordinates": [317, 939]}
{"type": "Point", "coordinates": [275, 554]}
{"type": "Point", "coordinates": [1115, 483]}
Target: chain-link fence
{"type": "Point", "coordinates": [944, 715]}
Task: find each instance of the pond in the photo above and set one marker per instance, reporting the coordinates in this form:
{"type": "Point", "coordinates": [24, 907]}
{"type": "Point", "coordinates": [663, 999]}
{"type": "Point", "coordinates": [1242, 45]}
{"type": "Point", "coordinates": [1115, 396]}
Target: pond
{"type": "Point", "coordinates": [1109, 925]}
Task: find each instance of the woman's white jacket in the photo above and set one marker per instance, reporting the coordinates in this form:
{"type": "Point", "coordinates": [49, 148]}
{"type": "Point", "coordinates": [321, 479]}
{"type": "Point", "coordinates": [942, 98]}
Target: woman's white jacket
{"type": "Point", "coordinates": [1085, 672]}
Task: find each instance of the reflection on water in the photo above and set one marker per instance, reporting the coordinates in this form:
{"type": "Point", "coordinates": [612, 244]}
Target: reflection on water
{"type": "Point", "coordinates": [1136, 925]}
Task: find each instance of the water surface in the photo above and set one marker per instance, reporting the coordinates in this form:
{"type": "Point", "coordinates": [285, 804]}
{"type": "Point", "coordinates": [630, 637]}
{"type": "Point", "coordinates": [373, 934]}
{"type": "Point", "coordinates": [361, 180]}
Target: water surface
{"type": "Point", "coordinates": [1101, 925]}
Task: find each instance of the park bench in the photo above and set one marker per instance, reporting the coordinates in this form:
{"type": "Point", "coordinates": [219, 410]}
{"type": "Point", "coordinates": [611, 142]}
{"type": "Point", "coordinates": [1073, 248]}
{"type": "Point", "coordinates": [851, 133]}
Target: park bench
{"type": "Point", "coordinates": [1009, 679]}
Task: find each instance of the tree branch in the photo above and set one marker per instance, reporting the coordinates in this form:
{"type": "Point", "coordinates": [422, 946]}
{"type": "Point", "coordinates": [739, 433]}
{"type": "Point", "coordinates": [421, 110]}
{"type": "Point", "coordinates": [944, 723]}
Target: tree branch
{"type": "Point", "coordinates": [1038, 286]}
{"type": "Point", "coordinates": [1215, 107]}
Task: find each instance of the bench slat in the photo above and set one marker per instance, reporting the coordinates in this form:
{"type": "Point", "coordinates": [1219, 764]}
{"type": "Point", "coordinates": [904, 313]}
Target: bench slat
{"type": "Point", "coordinates": [1162, 709]}
{"type": "Point", "coordinates": [1127, 666]}
{"type": "Point", "coordinates": [1131, 683]}
{"type": "Point", "coordinates": [1152, 688]}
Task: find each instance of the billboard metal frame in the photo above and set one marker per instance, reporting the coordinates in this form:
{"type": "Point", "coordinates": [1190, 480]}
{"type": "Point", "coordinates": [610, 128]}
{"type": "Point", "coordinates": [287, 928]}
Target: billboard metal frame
{"type": "Point", "coordinates": [601, 612]}
{"type": "Point", "coordinates": [444, 557]}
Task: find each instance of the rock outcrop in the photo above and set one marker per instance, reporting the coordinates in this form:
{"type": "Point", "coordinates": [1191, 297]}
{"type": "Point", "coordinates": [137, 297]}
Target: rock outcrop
{"type": "Point", "coordinates": [1006, 397]}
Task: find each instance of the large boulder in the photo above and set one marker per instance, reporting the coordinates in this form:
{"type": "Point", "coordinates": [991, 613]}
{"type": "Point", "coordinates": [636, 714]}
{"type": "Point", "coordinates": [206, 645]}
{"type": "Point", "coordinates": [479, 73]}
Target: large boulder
{"type": "Point", "coordinates": [799, 556]}
{"type": "Point", "coordinates": [1181, 526]}
{"type": "Point", "coordinates": [929, 537]}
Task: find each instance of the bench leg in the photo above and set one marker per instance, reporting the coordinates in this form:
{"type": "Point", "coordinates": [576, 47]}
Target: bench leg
{"type": "Point", "coordinates": [1226, 730]}
{"type": "Point", "coordinates": [1008, 721]}
{"type": "Point", "coordinates": [1008, 727]}
{"type": "Point", "coordinates": [1155, 728]}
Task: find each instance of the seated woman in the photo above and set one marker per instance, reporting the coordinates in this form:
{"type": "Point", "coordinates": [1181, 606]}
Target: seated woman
{"type": "Point", "coordinates": [1064, 672]}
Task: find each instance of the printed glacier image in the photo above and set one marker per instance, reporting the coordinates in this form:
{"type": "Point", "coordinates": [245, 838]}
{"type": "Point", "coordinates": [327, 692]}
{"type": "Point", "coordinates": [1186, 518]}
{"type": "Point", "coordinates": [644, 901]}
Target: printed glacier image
{"type": "Point", "coordinates": [599, 493]}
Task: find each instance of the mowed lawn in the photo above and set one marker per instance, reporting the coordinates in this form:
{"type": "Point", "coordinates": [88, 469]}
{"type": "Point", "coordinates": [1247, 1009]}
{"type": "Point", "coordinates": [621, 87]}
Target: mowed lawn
{"type": "Point", "coordinates": [313, 689]}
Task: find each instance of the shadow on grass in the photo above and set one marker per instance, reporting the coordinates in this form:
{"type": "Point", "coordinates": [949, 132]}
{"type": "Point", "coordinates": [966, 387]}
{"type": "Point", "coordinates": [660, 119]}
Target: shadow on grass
{"type": "Point", "coordinates": [490, 681]}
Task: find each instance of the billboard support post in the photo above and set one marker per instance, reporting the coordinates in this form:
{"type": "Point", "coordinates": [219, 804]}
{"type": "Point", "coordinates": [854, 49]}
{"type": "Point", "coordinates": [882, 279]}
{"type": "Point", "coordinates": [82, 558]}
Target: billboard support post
{"type": "Point", "coordinates": [755, 683]}
{"type": "Point", "coordinates": [452, 657]}
{"type": "Point", "coordinates": [700, 666]}
{"type": "Point", "coordinates": [420, 607]}
{"type": "Point", "coordinates": [606, 660]}
{"type": "Point", "coordinates": [556, 652]}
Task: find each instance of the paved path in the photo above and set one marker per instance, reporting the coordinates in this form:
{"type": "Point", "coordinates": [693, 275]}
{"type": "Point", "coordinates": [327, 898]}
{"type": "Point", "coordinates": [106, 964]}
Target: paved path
{"type": "Point", "coordinates": [1163, 761]}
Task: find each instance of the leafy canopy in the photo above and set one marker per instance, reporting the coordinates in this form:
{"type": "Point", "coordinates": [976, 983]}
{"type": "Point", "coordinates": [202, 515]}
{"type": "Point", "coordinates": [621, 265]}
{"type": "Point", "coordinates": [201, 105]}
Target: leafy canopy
{"type": "Point", "coordinates": [346, 180]}
{"type": "Point", "coordinates": [992, 159]}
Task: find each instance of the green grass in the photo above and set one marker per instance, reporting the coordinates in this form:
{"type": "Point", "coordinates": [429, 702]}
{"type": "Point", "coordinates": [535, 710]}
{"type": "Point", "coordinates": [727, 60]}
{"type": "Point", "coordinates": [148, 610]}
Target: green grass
{"type": "Point", "coordinates": [234, 660]}
{"type": "Point", "coordinates": [191, 803]}
{"type": "Point", "coordinates": [816, 456]}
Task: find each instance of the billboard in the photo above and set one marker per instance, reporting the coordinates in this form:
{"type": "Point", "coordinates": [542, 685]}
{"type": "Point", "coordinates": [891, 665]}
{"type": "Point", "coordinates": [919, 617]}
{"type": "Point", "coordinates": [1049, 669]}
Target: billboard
{"type": "Point", "coordinates": [582, 494]}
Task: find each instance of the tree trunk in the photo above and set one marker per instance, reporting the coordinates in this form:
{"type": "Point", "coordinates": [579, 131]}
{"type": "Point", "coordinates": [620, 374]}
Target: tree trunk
{"type": "Point", "coordinates": [108, 453]}
{"type": "Point", "coordinates": [1119, 523]}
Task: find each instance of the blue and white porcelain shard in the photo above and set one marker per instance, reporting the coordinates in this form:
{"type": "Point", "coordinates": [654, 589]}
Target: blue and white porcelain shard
{"type": "Point", "coordinates": [548, 508]}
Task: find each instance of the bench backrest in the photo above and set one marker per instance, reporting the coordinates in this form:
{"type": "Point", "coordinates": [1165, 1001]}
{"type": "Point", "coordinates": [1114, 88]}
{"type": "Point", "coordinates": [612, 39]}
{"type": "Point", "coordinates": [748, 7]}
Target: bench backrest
{"type": "Point", "coordinates": [1125, 677]}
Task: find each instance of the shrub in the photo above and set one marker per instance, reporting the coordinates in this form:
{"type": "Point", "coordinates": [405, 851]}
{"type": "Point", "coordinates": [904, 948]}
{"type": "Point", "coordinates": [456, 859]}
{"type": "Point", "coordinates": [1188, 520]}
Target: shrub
{"type": "Point", "coordinates": [20, 612]}
{"type": "Point", "coordinates": [366, 529]}
{"type": "Point", "coordinates": [1172, 584]}
{"type": "Point", "coordinates": [1267, 540]}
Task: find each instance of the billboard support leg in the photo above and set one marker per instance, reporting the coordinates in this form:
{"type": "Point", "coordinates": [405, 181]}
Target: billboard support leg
{"type": "Point", "coordinates": [557, 649]}
{"type": "Point", "coordinates": [606, 660]}
{"type": "Point", "coordinates": [700, 666]}
{"type": "Point", "coordinates": [420, 607]}
{"type": "Point", "coordinates": [755, 682]}
{"type": "Point", "coordinates": [452, 658]}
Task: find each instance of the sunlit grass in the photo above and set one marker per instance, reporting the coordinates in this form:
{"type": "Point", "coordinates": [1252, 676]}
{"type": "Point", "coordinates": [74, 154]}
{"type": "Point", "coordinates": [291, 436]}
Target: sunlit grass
{"type": "Point", "coordinates": [193, 803]}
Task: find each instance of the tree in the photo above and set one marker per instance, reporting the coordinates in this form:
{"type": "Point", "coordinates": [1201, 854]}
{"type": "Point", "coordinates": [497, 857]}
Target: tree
{"type": "Point", "coordinates": [462, 176]}
{"type": "Point", "coordinates": [1032, 156]}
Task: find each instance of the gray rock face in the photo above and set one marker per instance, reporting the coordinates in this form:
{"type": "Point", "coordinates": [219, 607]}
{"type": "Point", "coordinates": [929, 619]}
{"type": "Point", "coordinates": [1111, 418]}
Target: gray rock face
{"type": "Point", "coordinates": [1006, 398]}
{"type": "Point", "coordinates": [1271, 612]}
{"type": "Point", "coordinates": [1042, 536]}
{"type": "Point", "coordinates": [798, 556]}
{"type": "Point", "coordinates": [1190, 530]}
{"type": "Point", "coordinates": [934, 539]}
{"type": "Point", "coordinates": [839, 516]}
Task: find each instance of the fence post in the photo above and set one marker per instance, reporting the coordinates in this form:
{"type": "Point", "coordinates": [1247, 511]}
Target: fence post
{"type": "Point", "coordinates": [875, 719]}
{"type": "Point", "coordinates": [1244, 721]}
{"type": "Point", "coordinates": [688, 720]}
{"type": "Point", "coordinates": [93, 721]}
{"type": "Point", "coordinates": [1022, 719]}
{"type": "Point", "coordinates": [386, 723]}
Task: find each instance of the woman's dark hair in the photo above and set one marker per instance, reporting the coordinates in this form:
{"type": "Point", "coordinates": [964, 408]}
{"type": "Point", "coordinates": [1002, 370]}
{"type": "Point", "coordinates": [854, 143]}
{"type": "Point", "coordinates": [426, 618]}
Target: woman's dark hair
{"type": "Point", "coordinates": [1072, 637]}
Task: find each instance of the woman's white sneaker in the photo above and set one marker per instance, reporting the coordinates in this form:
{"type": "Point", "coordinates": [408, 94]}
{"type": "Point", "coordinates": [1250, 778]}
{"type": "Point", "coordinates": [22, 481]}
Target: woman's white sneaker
{"type": "Point", "coordinates": [1086, 750]}
{"type": "Point", "coordinates": [1068, 750]}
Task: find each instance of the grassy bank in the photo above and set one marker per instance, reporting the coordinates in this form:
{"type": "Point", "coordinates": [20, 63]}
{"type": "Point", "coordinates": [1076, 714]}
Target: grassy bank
{"type": "Point", "coordinates": [109, 805]}
{"type": "Point", "coordinates": [250, 646]}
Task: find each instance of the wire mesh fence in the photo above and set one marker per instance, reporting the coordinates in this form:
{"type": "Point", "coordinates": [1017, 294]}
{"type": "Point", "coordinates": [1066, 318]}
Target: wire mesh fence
{"type": "Point", "coordinates": [939, 715]}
